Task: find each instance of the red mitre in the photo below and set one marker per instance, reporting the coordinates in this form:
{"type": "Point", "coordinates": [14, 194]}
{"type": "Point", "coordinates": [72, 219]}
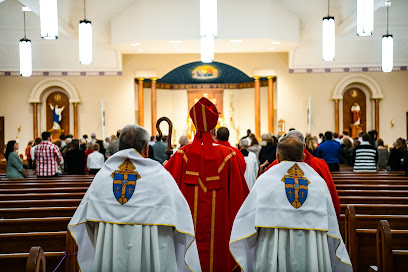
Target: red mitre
{"type": "Point", "coordinates": [205, 116]}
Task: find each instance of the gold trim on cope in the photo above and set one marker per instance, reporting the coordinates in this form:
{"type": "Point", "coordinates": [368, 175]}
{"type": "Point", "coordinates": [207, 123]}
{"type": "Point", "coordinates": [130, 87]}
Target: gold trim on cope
{"type": "Point", "coordinates": [212, 178]}
{"type": "Point", "coordinates": [202, 185]}
{"type": "Point", "coordinates": [192, 173]}
{"type": "Point", "coordinates": [225, 160]}
{"type": "Point", "coordinates": [212, 230]}
{"type": "Point", "coordinates": [204, 117]}
{"type": "Point", "coordinates": [195, 207]}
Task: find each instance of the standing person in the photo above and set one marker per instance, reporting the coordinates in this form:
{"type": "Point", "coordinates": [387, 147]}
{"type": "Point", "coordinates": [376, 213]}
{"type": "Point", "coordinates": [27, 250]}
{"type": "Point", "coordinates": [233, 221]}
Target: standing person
{"type": "Point", "coordinates": [222, 139]}
{"type": "Point", "coordinates": [268, 152]}
{"type": "Point", "coordinates": [330, 152]}
{"type": "Point", "coordinates": [382, 154]}
{"type": "Point", "coordinates": [159, 150]}
{"type": "Point", "coordinates": [14, 168]}
{"type": "Point", "coordinates": [254, 146]}
{"type": "Point", "coordinates": [89, 150]}
{"type": "Point", "coordinates": [28, 154]}
{"type": "Point", "coordinates": [113, 146]}
{"type": "Point", "coordinates": [95, 160]}
{"type": "Point", "coordinates": [47, 156]}
{"type": "Point", "coordinates": [209, 177]}
{"type": "Point", "coordinates": [93, 138]}
{"type": "Point", "coordinates": [251, 161]}
{"type": "Point", "coordinates": [320, 166]}
{"type": "Point", "coordinates": [75, 159]}
{"type": "Point", "coordinates": [133, 217]}
{"type": "Point", "coordinates": [347, 152]}
{"type": "Point", "coordinates": [365, 156]}
{"type": "Point", "coordinates": [397, 155]}
{"type": "Point", "coordinates": [32, 151]}
{"type": "Point", "coordinates": [287, 222]}
{"type": "Point", "coordinates": [311, 144]}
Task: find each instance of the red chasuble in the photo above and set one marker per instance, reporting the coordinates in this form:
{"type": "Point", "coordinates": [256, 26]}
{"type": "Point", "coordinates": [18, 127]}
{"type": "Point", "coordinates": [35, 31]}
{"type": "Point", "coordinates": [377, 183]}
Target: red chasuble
{"type": "Point", "coordinates": [240, 157]}
{"type": "Point", "coordinates": [213, 209]}
{"type": "Point", "coordinates": [320, 166]}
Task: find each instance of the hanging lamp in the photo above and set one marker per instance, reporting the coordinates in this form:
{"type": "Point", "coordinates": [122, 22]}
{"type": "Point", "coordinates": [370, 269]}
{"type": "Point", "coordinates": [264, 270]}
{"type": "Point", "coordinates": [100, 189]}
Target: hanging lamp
{"type": "Point", "coordinates": [387, 55]}
{"type": "Point", "coordinates": [365, 17]}
{"type": "Point", "coordinates": [49, 19]}
{"type": "Point", "coordinates": [85, 40]}
{"type": "Point", "coordinates": [208, 29]}
{"type": "Point", "coordinates": [26, 66]}
{"type": "Point", "coordinates": [328, 36]}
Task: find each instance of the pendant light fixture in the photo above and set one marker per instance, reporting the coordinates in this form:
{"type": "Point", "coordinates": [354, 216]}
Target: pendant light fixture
{"type": "Point", "coordinates": [26, 66]}
{"type": "Point", "coordinates": [387, 62]}
{"type": "Point", "coordinates": [328, 36]}
{"type": "Point", "coordinates": [365, 17]}
{"type": "Point", "coordinates": [208, 29]}
{"type": "Point", "coordinates": [85, 40]}
{"type": "Point", "coordinates": [49, 19]}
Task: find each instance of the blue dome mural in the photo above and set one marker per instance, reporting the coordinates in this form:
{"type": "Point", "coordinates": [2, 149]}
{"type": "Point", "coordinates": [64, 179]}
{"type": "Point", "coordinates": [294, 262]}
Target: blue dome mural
{"type": "Point", "coordinates": [203, 73]}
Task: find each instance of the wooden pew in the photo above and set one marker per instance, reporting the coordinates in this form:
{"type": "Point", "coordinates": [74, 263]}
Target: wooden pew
{"type": "Point", "coordinates": [40, 203]}
{"type": "Point", "coordinates": [355, 186]}
{"type": "Point", "coordinates": [373, 200]}
{"type": "Point", "coordinates": [391, 209]}
{"type": "Point", "coordinates": [9, 213]}
{"type": "Point", "coordinates": [402, 193]}
{"type": "Point", "coordinates": [360, 235]}
{"type": "Point", "coordinates": [47, 224]}
{"type": "Point", "coordinates": [41, 196]}
{"type": "Point", "coordinates": [18, 185]}
{"type": "Point", "coordinates": [44, 190]}
{"type": "Point", "coordinates": [392, 249]}
{"type": "Point", "coordinates": [13, 262]}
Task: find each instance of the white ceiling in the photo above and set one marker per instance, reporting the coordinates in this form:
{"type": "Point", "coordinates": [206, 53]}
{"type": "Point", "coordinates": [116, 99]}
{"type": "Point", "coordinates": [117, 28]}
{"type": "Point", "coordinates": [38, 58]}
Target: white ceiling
{"type": "Point", "coordinates": [172, 27]}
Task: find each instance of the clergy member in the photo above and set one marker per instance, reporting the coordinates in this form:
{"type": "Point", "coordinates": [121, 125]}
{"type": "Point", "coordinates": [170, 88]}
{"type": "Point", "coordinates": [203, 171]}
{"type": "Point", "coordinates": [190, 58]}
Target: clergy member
{"type": "Point", "coordinates": [133, 216]}
{"type": "Point", "coordinates": [288, 222]}
{"type": "Point", "coordinates": [209, 177]}
{"type": "Point", "coordinates": [222, 139]}
{"type": "Point", "coordinates": [251, 161]}
{"type": "Point", "coordinates": [320, 166]}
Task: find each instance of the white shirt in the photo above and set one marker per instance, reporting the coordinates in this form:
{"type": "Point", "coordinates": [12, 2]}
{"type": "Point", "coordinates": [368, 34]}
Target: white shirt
{"type": "Point", "coordinates": [32, 152]}
{"type": "Point", "coordinates": [251, 169]}
{"type": "Point", "coordinates": [95, 160]}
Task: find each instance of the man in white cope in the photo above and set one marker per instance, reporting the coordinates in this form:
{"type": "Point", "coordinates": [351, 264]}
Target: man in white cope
{"type": "Point", "coordinates": [251, 170]}
{"type": "Point", "coordinates": [133, 216]}
{"type": "Point", "coordinates": [288, 222]}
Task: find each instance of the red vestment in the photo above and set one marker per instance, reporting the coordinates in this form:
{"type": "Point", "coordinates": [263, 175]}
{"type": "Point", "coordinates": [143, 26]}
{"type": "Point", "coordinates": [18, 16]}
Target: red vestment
{"type": "Point", "coordinates": [240, 156]}
{"type": "Point", "coordinates": [320, 166]}
{"type": "Point", "coordinates": [213, 210]}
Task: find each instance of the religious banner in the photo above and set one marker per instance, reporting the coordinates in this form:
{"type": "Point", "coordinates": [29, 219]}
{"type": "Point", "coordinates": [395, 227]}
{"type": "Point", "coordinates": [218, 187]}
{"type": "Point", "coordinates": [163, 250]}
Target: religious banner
{"type": "Point", "coordinates": [57, 113]}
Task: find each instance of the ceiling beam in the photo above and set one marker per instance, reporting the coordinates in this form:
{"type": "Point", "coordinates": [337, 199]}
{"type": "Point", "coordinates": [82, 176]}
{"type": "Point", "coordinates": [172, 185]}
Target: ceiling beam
{"type": "Point", "coordinates": [63, 27]}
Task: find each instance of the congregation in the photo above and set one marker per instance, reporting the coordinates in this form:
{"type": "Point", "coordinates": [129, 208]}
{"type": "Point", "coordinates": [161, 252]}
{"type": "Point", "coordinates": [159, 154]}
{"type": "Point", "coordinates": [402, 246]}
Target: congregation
{"type": "Point", "coordinates": [87, 155]}
{"type": "Point", "coordinates": [241, 179]}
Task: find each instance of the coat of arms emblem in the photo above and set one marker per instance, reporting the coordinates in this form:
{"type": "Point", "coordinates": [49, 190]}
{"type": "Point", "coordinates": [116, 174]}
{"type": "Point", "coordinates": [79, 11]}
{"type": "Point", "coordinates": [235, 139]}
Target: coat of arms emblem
{"type": "Point", "coordinates": [124, 181]}
{"type": "Point", "coordinates": [296, 186]}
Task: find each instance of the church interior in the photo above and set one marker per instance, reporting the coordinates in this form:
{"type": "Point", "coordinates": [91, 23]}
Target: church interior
{"type": "Point", "coordinates": [267, 74]}
{"type": "Point", "coordinates": [134, 40]}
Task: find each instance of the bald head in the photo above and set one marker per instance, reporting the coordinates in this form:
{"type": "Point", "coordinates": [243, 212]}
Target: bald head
{"type": "Point", "coordinates": [290, 148]}
{"type": "Point", "coordinates": [223, 134]}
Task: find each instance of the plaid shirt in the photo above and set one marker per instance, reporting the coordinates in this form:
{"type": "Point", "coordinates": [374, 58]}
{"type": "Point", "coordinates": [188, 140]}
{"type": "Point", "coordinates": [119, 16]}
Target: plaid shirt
{"type": "Point", "coordinates": [46, 155]}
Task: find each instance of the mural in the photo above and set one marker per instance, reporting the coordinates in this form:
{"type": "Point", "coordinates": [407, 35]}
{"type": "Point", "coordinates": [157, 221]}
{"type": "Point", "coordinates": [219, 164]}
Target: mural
{"type": "Point", "coordinates": [205, 72]}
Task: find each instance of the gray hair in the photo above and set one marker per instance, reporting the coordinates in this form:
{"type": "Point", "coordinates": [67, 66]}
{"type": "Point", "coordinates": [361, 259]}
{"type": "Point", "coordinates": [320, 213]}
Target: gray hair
{"type": "Point", "coordinates": [243, 143]}
{"type": "Point", "coordinates": [297, 134]}
{"type": "Point", "coordinates": [183, 140]}
{"type": "Point", "coordinates": [134, 136]}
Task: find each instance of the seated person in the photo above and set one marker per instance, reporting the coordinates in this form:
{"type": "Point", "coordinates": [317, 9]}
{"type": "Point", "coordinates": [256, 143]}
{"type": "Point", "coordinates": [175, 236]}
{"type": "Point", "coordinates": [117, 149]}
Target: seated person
{"type": "Point", "coordinates": [288, 222]}
{"type": "Point", "coordinates": [133, 216]}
